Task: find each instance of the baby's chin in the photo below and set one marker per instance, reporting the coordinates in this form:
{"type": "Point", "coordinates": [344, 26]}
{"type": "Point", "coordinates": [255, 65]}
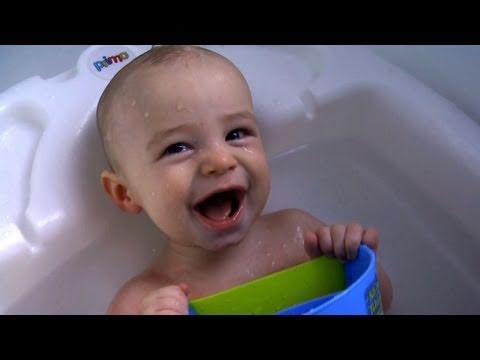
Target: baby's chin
{"type": "Point", "coordinates": [222, 243]}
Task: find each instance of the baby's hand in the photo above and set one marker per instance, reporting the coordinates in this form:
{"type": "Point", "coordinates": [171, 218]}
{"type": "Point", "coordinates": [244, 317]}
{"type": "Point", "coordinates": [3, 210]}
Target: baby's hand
{"type": "Point", "coordinates": [341, 241]}
{"type": "Point", "coordinates": [169, 300]}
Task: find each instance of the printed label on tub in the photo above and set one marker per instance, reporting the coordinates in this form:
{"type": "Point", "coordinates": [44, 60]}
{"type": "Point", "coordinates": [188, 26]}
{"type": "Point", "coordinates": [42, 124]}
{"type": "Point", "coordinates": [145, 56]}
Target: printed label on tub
{"type": "Point", "coordinates": [373, 299]}
{"type": "Point", "coordinates": [106, 61]}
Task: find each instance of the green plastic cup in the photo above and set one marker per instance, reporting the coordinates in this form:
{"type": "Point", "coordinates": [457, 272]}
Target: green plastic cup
{"type": "Point", "coordinates": [277, 291]}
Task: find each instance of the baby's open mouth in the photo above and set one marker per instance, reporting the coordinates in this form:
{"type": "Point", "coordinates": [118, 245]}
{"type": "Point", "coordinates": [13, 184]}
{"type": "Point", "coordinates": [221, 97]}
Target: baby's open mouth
{"type": "Point", "coordinates": [221, 209]}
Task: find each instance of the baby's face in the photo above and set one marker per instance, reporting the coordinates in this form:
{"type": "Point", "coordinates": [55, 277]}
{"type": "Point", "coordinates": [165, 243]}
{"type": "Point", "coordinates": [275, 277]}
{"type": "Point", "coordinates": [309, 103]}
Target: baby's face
{"type": "Point", "coordinates": [192, 154]}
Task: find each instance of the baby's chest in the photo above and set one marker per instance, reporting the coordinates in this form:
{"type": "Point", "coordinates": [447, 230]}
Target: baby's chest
{"type": "Point", "coordinates": [267, 252]}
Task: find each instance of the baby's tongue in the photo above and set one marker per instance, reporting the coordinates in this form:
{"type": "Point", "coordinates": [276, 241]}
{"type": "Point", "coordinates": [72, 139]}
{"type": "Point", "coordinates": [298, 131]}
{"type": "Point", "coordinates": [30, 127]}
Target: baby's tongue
{"type": "Point", "coordinates": [217, 207]}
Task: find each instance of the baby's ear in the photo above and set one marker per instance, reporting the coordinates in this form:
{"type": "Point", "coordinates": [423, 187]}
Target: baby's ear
{"type": "Point", "coordinates": [118, 192]}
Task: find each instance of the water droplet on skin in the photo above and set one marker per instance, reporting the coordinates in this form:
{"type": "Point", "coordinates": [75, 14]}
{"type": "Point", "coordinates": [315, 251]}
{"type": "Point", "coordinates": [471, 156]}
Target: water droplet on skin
{"type": "Point", "coordinates": [180, 107]}
{"type": "Point", "coordinates": [134, 102]}
{"type": "Point", "coordinates": [146, 115]}
{"type": "Point", "coordinates": [299, 236]}
{"type": "Point", "coordinates": [247, 150]}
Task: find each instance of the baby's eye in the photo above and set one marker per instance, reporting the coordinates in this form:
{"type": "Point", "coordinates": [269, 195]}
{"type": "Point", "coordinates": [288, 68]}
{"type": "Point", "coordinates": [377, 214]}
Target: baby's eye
{"type": "Point", "coordinates": [176, 148]}
{"type": "Point", "coordinates": [236, 134]}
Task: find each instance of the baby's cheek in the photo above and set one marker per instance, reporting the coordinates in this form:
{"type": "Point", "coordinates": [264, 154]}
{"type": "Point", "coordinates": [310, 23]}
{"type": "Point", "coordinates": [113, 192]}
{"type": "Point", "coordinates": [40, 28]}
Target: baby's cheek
{"type": "Point", "coordinates": [166, 218]}
{"type": "Point", "coordinates": [170, 201]}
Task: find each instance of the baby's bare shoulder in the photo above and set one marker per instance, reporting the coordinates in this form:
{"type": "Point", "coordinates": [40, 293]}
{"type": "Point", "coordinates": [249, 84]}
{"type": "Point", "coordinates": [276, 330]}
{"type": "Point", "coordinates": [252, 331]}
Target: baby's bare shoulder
{"type": "Point", "coordinates": [285, 230]}
{"type": "Point", "coordinates": [128, 299]}
{"type": "Point", "coordinates": [294, 217]}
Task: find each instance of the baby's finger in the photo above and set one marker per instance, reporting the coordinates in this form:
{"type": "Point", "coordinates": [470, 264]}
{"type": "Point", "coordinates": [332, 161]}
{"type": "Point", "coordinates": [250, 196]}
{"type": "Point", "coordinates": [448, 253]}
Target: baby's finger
{"type": "Point", "coordinates": [353, 237]}
{"type": "Point", "coordinates": [371, 238]}
{"type": "Point", "coordinates": [325, 241]}
{"type": "Point", "coordinates": [311, 244]}
{"type": "Point", "coordinates": [184, 288]}
{"type": "Point", "coordinates": [169, 312]}
{"type": "Point", "coordinates": [154, 311]}
{"type": "Point", "coordinates": [158, 296]}
{"type": "Point", "coordinates": [171, 290]}
{"type": "Point", "coordinates": [161, 303]}
{"type": "Point", "coordinates": [338, 239]}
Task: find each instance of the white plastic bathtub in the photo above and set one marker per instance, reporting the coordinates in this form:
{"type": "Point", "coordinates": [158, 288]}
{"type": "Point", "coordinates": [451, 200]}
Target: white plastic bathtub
{"type": "Point", "coordinates": [349, 138]}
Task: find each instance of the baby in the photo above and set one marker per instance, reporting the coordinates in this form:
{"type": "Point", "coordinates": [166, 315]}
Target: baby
{"type": "Point", "coordinates": [180, 134]}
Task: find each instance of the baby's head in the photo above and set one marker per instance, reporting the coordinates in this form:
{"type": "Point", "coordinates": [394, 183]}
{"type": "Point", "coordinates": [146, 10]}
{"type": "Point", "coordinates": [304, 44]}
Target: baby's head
{"type": "Point", "coordinates": [180, 135]}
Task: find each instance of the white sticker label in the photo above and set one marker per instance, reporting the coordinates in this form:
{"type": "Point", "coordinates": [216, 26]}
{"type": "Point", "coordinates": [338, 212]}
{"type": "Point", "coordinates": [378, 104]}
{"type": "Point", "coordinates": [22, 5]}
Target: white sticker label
{"type": "Point", "coordinates": [106, 61]}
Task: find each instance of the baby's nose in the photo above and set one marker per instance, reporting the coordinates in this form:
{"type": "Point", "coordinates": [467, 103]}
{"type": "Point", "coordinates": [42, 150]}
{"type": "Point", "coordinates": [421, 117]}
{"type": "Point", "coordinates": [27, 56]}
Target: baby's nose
{"type": "Point", "coordinates": [217, 162]}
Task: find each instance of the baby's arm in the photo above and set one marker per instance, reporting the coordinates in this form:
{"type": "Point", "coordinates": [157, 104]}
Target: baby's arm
{"type": "Point", "coordinates": [342, 241]}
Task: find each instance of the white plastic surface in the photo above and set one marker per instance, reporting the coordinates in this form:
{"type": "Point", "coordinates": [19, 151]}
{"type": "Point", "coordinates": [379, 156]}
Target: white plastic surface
{"type": "Point", "coordinates": [349, 138]}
